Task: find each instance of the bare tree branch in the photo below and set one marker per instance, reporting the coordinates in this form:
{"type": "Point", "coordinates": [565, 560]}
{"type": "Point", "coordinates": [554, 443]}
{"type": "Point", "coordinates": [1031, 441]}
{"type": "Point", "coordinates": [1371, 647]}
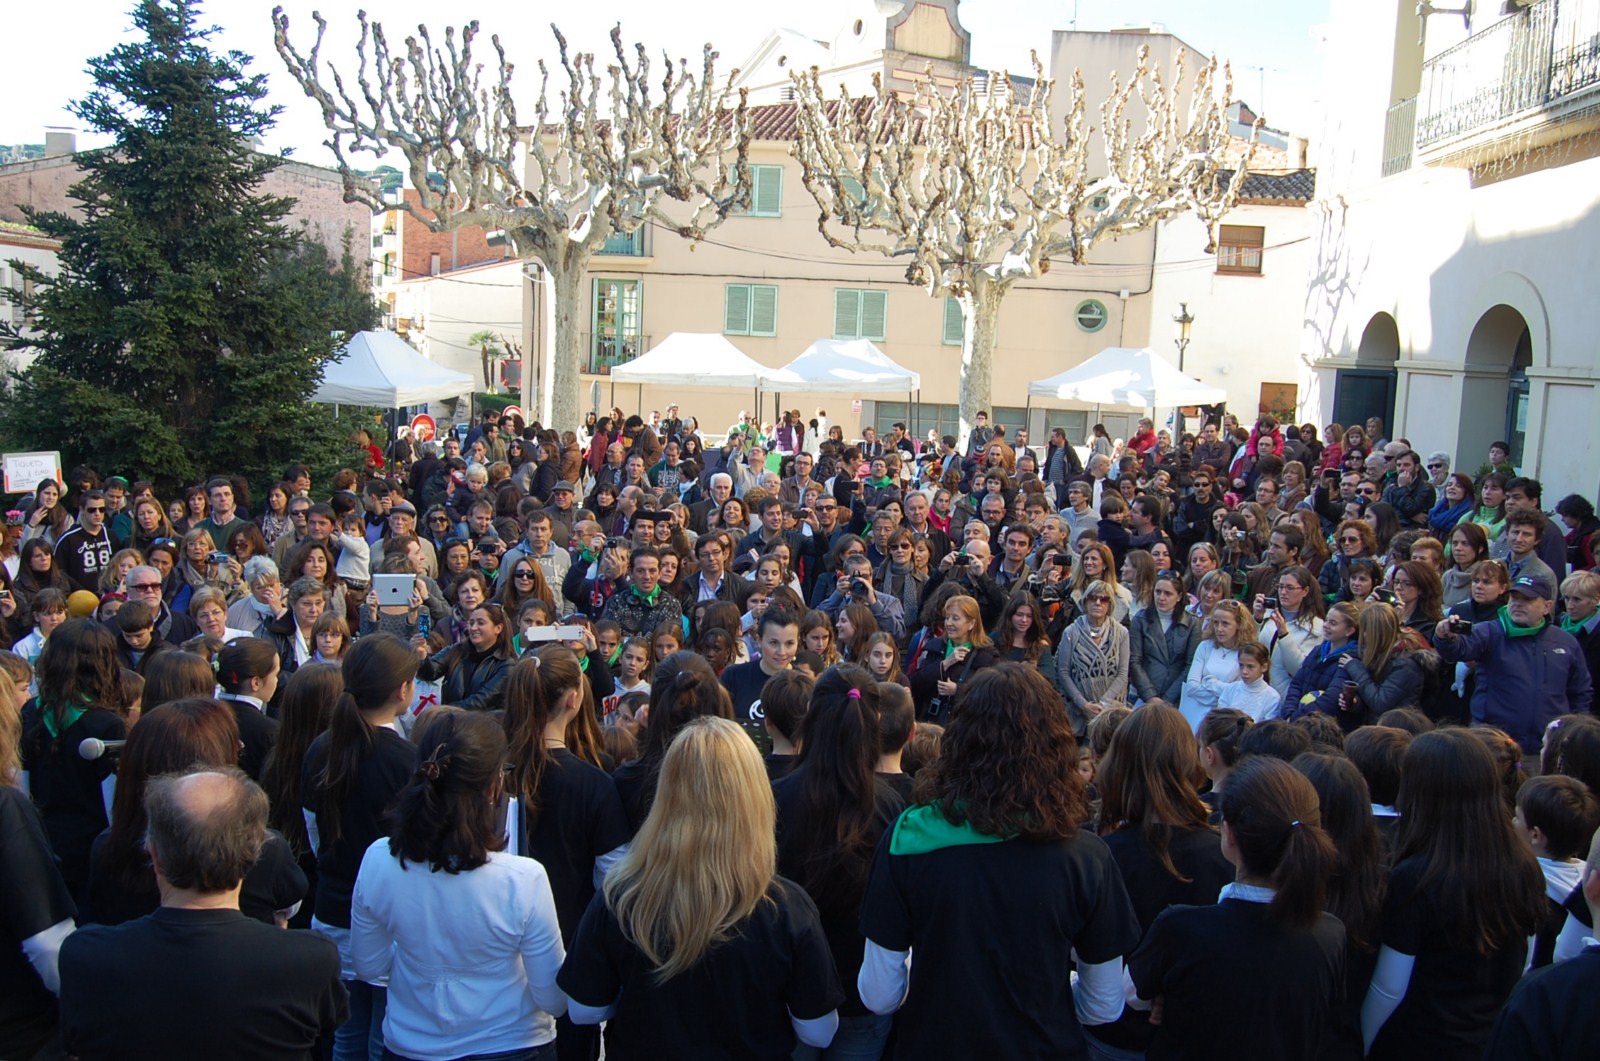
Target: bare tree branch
{"type": "Point", "coordinates": [603, 152]}
{"type": "Point", "coordinates": [975, 189]}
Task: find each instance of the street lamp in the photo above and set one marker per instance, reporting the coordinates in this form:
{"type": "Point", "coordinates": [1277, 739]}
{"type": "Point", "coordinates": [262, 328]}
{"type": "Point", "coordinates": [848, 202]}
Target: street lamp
{"type": "Point", "coordinates": [1183, 322]}
{"type": "Point", "coordinates": [1180, 335]}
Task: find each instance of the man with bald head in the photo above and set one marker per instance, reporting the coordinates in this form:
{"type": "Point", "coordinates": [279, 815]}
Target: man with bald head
{"type": "Point", "coordinates": [197, 978]}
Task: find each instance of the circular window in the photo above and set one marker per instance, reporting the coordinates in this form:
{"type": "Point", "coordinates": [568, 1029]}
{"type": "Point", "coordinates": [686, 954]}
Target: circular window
{"type": "Point", "coordinates": [1091, 315]}
{"type": "Point", "coordinates": [858, 27]}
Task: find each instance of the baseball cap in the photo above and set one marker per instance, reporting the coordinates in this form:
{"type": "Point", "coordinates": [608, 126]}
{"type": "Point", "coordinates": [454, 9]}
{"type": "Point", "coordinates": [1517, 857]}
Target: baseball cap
{"type": "Point", "coordinates": [1535, 585]}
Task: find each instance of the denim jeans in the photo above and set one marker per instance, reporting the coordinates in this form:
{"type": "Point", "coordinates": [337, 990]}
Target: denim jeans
{"type": "Point", "coordinates": [361, 1037]}
{"type": "Point", "coordinates": [532, 1053]}
{"type": "Point", "coordinates": [858, 1039]}
{"type": "Point", "coordinates": [1099, 1051]}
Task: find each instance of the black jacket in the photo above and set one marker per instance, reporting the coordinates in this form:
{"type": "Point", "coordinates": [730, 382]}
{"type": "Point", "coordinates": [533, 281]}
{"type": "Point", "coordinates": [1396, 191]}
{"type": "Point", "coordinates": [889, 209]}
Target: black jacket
{"type": "Point", "coordinates": [1159, 661]}
{"type": "Point", "coordinates": [470, 680]}
{"type": "Point", "coordinates": [925, 679]}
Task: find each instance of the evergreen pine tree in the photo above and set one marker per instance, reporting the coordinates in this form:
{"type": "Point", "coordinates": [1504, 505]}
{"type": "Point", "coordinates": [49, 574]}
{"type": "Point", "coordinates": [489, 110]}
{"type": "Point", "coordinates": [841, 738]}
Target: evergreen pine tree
{"type": "Point", "coordinates": [188, 324]}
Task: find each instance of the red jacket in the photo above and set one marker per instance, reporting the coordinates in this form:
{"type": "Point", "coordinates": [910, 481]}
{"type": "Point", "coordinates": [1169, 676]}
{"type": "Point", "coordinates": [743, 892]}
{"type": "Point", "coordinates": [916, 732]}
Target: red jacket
{"type": "Point", "coordinates": [1143, 441]}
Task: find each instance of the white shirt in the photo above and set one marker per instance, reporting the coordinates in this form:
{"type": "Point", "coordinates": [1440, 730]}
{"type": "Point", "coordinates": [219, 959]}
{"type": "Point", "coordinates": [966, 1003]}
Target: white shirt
{"type": "Point", "coordinates": [1258, 699]}
{"type": "Point", "coordinates": [1213, 668]}
{"type": "Point", "coordinates": [471, 957]}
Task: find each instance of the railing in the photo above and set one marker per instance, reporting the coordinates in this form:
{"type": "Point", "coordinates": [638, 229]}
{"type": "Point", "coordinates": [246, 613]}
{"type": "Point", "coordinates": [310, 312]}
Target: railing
{"type": "Point", "coordinates": [1542, 55]}
{"type": "Point", "coordinates": [606, 352]}
{"type": "Point", "coordinates": [1399, 137]}
{"type": "Point", "coordinates": [630, 246]}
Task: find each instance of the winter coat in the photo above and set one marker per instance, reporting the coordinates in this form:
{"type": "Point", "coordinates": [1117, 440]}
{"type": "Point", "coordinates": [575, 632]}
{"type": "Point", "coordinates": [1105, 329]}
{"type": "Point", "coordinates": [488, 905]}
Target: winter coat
{"type": "Point", "coordinates": [1523, 682]}
{"type": "Point", "coordinates": [1159, 660]}
{"type": "Point", "coordinates": [1316, 685]}
{"type": "Point", "coordinates": [1398, 684]}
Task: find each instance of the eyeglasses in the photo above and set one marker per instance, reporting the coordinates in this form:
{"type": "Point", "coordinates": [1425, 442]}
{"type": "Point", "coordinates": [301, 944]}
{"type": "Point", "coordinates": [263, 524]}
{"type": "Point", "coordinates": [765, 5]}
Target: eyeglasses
{"type": "Point", "coordinates": [97, 508]}
{"type": "Point", "coordinates": [1099, 598]}
{"type": "Point", "coordinates": [523, 574]}
{"type": "Point", "coordinates": [1350, 539]}
{"type": "Point", "coordinates": [439, 519]}
{"type": "Point", "coordinates": [142, 586]}
{"type": "Point", "coordinates": [1436, 467]}
{"type": "Point", "coordinates": [901, 545]}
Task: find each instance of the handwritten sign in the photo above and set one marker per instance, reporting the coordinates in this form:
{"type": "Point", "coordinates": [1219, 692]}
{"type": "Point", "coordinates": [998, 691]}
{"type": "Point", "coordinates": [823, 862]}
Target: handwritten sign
{"type": "Point", "coordinates": [24, 471]}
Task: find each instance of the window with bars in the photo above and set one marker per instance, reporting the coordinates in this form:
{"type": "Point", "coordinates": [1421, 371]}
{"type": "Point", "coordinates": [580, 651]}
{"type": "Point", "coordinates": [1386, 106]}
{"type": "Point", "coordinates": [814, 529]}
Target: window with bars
{"type": "Point", "coordinates": [750, 309]}
{"type": "Point", "coordinates": [628, 246]}
{"type": "Point", "coordinates": [860, 314]}
{"type": "Point", "coordinates": [1239, 250]}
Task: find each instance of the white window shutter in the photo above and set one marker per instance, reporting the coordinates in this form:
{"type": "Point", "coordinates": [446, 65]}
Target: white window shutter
{"type": "Point", "coordinates": [766, 198]}
{"type": "Point", "coordinates": [763, 309]}
{"type": "Point", "coordinates": [874, 314]}
{"type": "Point", "coordinates": [736, 315]}
{"type": "Point", "coordinates": [954, 331]}
{"type": "Point", "coordinates": [846, 313]}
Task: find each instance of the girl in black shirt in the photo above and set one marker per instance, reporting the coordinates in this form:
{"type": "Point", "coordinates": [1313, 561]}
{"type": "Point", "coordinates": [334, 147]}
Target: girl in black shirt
{"type": "Point", "coordinates": [1464, 896]}
{"type": "Point", "coordinates": [80, 696]}
{"type": "Point", "coordinates": [351, 775]}
{"type": "Point", "coordinates": [832, 809]}
{"type": "Point", "coordinates": [569, 815]}
{"type": "Point", "coordinates": [683, 688]}
{"type": "Point", "coordinates": [1266, 957]}
{"type": "Point", "coordinates": [1153, 821]}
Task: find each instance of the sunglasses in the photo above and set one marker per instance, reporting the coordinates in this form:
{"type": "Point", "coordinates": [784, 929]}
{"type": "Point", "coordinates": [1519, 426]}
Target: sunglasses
{"type": "Point", "coordinates": [165, 541]}
{"type": "Point", "coordinates": [141, 586]}
{"type": "Point", "coordinates": [523, 574]}
{"type": "Point", "coordinates": [1350, 540]}
{"type": "Point", "coordinates": [1435, 467]}
{"type": "Point", "coordinates": [1100, 598]}
{"type": "Point", "coordinates": [97, 508]}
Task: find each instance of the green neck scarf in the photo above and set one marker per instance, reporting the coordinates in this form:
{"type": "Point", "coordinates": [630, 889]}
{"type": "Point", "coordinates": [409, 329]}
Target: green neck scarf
{"type": "Point", "coordinates": [1513, 630]}
{"type": "Point", "coordinates": [651, 597]}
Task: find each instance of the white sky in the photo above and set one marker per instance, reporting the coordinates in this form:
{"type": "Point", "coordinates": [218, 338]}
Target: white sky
{"type": "Point", "coordinates": [45, 48]}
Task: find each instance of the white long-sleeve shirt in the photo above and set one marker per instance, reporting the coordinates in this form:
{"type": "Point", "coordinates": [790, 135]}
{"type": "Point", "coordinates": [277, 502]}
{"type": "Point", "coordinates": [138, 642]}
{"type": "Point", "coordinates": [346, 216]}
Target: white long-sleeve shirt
{"type": "Point", "coordinates": [471, 957]}
{"type": "Point", "coordinates": [1213, 668]}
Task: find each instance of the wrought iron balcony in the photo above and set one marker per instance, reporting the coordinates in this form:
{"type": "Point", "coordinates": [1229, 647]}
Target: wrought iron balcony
{"type": "Point", "coordinates": [1541, 63]}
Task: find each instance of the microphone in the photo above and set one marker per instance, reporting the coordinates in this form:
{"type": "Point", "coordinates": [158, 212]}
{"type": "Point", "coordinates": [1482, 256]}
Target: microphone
{"type": "Point", "coordinates": [93, 747]}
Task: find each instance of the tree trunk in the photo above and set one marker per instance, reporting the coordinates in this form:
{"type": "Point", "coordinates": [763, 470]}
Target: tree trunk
{"type": "Point", "coordinates": [564, 358]}
{"type": "Point", "coordinates": [980, 319]}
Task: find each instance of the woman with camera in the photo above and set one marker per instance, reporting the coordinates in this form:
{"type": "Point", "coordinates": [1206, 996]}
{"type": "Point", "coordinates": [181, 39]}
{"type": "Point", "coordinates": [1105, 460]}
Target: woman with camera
{"type": "Point", "coordinates": [963, 650]}
{"type": "Point", "coordinates": [1290, 623]}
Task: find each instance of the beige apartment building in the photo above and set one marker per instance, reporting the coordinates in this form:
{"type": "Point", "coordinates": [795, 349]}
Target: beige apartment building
{"type": "Point", "coordinates": [768, 281]}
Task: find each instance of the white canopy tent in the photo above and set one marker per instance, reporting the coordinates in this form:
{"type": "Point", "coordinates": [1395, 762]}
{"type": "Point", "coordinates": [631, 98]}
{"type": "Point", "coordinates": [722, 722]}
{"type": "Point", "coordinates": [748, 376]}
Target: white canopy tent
{"type": "Point", "coordinates": [845, 366]}
{"type": "Point", "coordinates": [693, 359]}
{"type": "Point", "coordinates": [1127, 377]}
{"type": "Point", "coordinates": [381, 369]}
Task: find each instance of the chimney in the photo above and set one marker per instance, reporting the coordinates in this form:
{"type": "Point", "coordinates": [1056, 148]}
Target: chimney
{"type": "Point", "coordinates": [1298, 148]}
{"type": "Point", "coordinates": [60, 142]}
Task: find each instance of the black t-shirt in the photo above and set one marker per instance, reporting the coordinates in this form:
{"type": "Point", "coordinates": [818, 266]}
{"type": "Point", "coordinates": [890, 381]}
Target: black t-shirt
{"type": "Point", "coordinates": [198, 983]}
{"type": "Point", "coordinates": [33, 897]}
{"type": "Point", "coordinates": [1197, 853]}
{"type": "Point", "coordinates": [841, 918]}
{"type": "Point", "coordinates": [1454, 993]}
{"type": "Point", "coordinates": [580, 818]}
{"type": "Point", "coordinates": [636, 786]}
{"type": "Point", "coordinates": [66, 787]}
{"type": "Point", "coordinates": [901, 782]}
{"type": "Point", "coordinates": [993, 926]}
{"type": "Point", "coordinates": [1552, 1013]}
{"type": "Point", "coordinates": [778, 765]}
{"type": "Point", "coordinates": [257, 733]}
{"type": "Point", "coordinates": [744, 682]}
{"type": "Point", "coordinates": [276, 882]}
{"type": "Point", "coordinates": [82, 557]}
{"type": "Point", "coordinates": [1236, 984]}
{"type": "Point", "coordinates": [384, 772]}
{"type": "Point", "coordinates": [734, 1005]}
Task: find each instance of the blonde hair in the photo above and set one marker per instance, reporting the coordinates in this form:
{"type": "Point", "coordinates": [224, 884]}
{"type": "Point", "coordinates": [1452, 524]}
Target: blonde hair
{"type": "Point", "coordinates": [968, 606]}
{"type": "Point", "coordinates": [10, 733]}
{"type": "Point", "coordinates": [1377, 632]}
{"type": "Point", "coordinates": [1248, 630]}
{"type": "Point", "coordinates": [707, 854]}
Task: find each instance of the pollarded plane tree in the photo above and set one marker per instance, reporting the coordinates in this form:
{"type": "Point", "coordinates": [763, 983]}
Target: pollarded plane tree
{"type": "Point", "coordinates": [605, 154]}
{"type": "Point", "coordinates": [977, 191]}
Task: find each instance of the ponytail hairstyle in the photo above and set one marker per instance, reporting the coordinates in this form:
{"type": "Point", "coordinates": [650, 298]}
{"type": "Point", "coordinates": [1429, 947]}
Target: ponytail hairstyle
{"type": "Point", "coordinates": [245, 658]}
{"type": "Point", "coordinates": [1271, 811]}
{"type": "Point", "coordinates": [1355, 889]}
{"type": "Point", "coordinates": [584, 736]}
{"type": "Point", "coordinates": [829, 844]}
{"type": "Point", "coordinates": [533, 693]}
{"type": "Point", "coordinates": [1149, 782]}
{"type": "Point", "coordinates": [447, 815]}
{"type": "Point", "coordinates": [376, 668]}
{"type": "Point", "coordinates": [1221, 730]}
{"type": "Point", "coordinates": [684, 689]}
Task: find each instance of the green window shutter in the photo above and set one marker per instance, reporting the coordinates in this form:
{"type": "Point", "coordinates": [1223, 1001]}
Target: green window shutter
{"type": "Point", "coordinates": [736, 312]}
{"type": "Point", "coordinates": [763, 309]}
{"type": "Point", "coordinates": [953, 328]}
{"type": "Point", "coordinates": [846, 313]}
{"type": "Point", "coordinates": [874, 314]}
{"type": "Point", "coordinates": [766, 196]}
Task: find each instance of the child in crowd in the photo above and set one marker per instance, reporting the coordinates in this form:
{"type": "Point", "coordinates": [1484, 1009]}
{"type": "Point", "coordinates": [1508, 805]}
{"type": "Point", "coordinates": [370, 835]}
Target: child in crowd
{"type": "Point", "coordinates": [49, 612]}
{"type": "Point", "coordinates": [330, 635]}
{"type": "Point", "coordinates": [354, 566]}
{"type": "Point", "coordinates": [608, 639]}
{"type": "Point", "coordinates": [1220, 732]}
{"type": "Point", "coordinates": [785, 698]}
{"type": "Point", "coordinates": [665, 640]}
{"type": "Point", "coordinates": [1558, 815]}
{"type": "Point", "coordinates": [1378, 752]}
{"type": "Point", "coordinates": [1216, 661]}
{"type": "Point", "coordinates": [896, 722]}
{"type": "Point", "coordinates": [1251, 692]}
{"type": "Point", "coordinates": [632, 668]}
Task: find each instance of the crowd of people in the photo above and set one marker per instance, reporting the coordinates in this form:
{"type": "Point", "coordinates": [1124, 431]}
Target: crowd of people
{"type": "Point", "coordinates": [1264, 742]}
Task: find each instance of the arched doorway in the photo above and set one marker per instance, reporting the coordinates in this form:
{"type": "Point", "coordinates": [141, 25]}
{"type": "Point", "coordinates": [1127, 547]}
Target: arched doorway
{"type": "Point", "coordinates": [1495, 406]}
{"type": "Point", "coordinates": [1368, 389]}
